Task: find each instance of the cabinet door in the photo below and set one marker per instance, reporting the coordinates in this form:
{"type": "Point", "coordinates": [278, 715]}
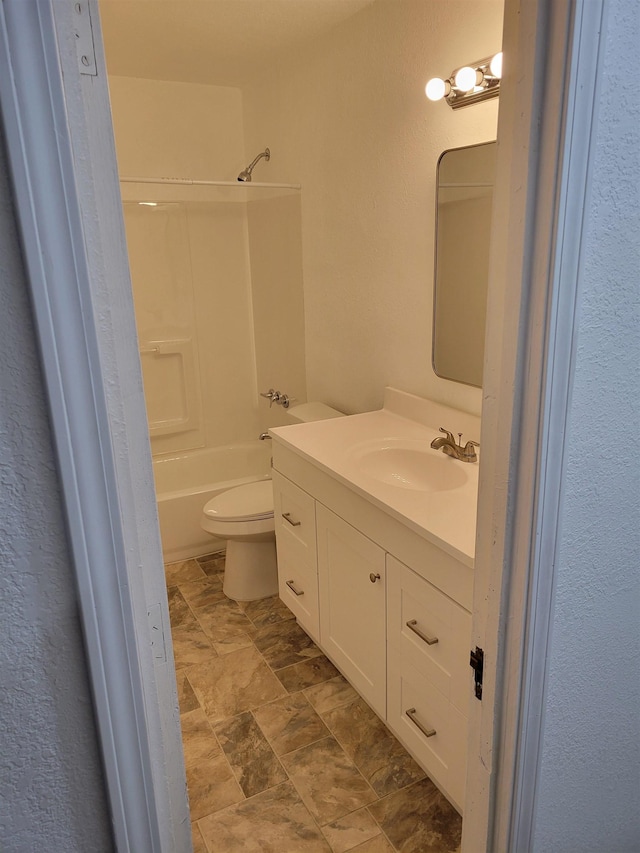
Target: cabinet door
{"type": "Point", "coordinates": [295, 524]}
{"type": "Point", "coordinates": [352, 579]}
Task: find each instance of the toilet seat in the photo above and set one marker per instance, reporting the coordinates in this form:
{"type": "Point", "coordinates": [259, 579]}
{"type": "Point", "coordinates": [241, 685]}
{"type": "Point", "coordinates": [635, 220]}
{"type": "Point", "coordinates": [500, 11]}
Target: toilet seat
{"type": "Point", "coordinates": [241, 512]}
{"type": "Point", "coordinates": [249, 502]}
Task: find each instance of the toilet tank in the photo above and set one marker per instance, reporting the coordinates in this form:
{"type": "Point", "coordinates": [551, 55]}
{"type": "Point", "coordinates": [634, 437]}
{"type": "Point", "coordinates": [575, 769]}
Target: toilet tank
{"type": "Point", "coordinates": [307, 412]}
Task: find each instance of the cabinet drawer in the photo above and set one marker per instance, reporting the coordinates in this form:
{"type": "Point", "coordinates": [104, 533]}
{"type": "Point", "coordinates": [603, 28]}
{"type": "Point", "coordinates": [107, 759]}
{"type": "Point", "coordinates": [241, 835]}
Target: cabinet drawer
{"type": "Point", "coordinates": [295, 520]}
{"type": "Point", "coordinates": [431, 631]}
{"type": "Point", "coordinates": [431, 728]}
{"type": "Point", "coordinates": [298, 589]}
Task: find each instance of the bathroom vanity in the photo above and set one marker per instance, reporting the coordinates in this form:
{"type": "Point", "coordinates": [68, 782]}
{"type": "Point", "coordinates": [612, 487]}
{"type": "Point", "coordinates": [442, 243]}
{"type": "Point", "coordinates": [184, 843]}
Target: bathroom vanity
{"type": "Point", "coordinates": [375, 536]}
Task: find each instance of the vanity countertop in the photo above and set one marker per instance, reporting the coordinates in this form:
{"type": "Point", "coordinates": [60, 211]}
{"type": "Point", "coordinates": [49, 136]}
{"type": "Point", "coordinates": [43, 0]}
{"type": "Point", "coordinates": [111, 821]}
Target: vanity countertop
{"type": "Point", "coordinates": [444, 514]}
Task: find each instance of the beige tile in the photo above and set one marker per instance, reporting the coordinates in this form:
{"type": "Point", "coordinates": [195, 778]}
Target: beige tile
{"type": "Point", "coordinates": [290, 723]}
{"type": "Point", "coordinates": [301, 675]}
{"type": "Point", "coordinates": [222, 620]}
{"type": "Point", "coordinates": [185, 570]}
{"type": "Point", "coordinates": [350, 831]}
{"type": "Point", "coordinates": [212, 564]}
{"type": "Point", "coordinates": [377, 754]}
{"type": "Point", "coordinates": [379, 844]}
{"type": "Point", "coordinates": [265, 611]}
{"type": "Point", "coordinates": [233, 643]}
{"type": "Point", "coordinates": [275, 821]}
{"type": "Point", "coordinates": [201, 594]}
{"type": "Point", "coordinates": [327, 780]}
{"type": "Point", "coordinates": [418, 819]}
{"type": "Point", "coordinates": [198, 738]}
{"type": "Point", "coordinates": [197, 840]}
{"type": "Point", "coordinates": [180, 614]}
{"type": "Point", "coordinates": [234, 683]}
{"type": "Point", "coordinates": [187, 699]}
{"type": "Point", "coordinates": [252, 760]}
{"type": "Point", "coordinates": [331, 694]}
{"type": "Point", "coordinates": [211, 785]}
{"type": "Point", "coordinates": [191, 646]}
{"type": "Point", "coordinates": [284, 644]}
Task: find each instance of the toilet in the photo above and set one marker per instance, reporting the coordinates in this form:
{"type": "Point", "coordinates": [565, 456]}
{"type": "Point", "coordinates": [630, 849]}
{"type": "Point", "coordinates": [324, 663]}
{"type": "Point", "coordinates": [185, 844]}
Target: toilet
{"type": "Point", "coordinates": [244, 517]}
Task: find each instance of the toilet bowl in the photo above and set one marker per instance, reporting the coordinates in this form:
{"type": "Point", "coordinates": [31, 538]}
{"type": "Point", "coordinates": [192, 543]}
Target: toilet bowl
{"type": "Point", "coordinates": [244, 517]}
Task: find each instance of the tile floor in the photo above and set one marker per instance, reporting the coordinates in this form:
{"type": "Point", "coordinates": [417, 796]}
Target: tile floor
{"type": "Point", "coordinates": [282, 755]}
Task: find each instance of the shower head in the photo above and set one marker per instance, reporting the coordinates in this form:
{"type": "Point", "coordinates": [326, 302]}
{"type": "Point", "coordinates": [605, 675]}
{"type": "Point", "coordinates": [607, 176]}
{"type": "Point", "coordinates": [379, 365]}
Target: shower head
{"type": "Point", "coordinates": [245, 174]}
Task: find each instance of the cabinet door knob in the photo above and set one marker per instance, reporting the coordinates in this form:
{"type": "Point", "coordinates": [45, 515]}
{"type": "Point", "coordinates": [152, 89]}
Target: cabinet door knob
{"type": "Point", "coordinates": [373, 578]}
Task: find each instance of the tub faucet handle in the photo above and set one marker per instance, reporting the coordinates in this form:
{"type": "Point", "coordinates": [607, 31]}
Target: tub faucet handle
{"type": "Point", "coordinates": [271, 395]}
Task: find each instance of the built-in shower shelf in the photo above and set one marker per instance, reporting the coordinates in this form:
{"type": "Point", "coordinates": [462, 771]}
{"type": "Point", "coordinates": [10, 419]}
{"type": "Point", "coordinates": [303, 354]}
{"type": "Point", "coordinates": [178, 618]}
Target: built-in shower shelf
{"type": "Point", "coordinates": [152, 191]}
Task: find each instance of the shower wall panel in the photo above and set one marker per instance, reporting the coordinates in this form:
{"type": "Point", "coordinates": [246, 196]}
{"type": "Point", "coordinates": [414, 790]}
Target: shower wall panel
{"type": "Point", "coordinates": [275, 241]}
{"type": "Point", "coordinates": [189, 262]}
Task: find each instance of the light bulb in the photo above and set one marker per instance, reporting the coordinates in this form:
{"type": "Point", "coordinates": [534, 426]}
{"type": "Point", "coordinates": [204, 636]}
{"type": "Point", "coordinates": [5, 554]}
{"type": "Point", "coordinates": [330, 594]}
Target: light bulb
{"type": "Point", "coordinates": [148, 203]}
{"type": "Point", "coordinates": [466, 78]}
{"type": "Point", "coordinates": [496, 65]}
{"type": "Point", "coordinates": [437, 88]}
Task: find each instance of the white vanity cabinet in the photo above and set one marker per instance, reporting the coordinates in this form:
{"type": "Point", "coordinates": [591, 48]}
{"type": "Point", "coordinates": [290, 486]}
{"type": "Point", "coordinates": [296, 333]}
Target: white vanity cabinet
{"type": "Point", "coordinates": [386, 598]}
{"type": "Point", "coordinates": [351, 576]}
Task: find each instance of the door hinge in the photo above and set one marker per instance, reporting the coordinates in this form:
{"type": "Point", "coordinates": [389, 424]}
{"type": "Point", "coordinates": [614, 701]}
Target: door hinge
{"type": "Point", "coordinates": [477, 665]}
{"type": "Point", "coordinates": [84, 38]}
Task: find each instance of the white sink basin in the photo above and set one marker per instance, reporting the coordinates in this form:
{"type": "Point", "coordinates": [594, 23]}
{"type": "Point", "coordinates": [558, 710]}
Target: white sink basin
{"type": "Point", "coordinates": [409, 465]}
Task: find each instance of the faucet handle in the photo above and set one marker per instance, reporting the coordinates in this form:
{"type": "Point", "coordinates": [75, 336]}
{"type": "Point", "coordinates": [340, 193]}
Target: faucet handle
{"type": "Point", "coordinates": [271, 395]}
{"type": "Point", "coordinates": [468, 451]}
{"type": "Point", "coordinates": [448, 434]}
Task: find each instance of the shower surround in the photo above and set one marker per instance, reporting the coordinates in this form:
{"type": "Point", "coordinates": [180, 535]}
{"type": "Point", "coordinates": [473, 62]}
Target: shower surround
{"type": "Point", "coordinates": [217, 283]}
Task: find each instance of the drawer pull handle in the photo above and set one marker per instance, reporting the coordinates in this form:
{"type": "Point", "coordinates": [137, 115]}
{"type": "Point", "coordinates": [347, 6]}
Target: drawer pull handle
{"type": "Point", "coordinates": [292, 587]}
{"type": "Point", "coordinates": [287, 517]}
{"type": "Point", "coordinates": [411, 713]}
{"type": "Point", "coordinates": [413, 624]}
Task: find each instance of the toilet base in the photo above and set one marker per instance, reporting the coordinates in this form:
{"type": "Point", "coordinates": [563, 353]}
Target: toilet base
{"type": "Point", "coordinates": [250, 570]}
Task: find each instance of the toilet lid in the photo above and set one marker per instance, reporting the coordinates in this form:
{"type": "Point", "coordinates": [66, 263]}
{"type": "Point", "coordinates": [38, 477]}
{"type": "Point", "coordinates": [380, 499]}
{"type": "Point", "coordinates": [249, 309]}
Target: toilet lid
{"type": "Point", "coordinates": [243, 503]}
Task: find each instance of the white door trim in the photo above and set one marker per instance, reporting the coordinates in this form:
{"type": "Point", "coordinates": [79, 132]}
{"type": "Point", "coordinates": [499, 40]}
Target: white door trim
{"type": "Point", "coordinates": [546, 116]}
{"type": "Point", "coordinates": [133, 684]}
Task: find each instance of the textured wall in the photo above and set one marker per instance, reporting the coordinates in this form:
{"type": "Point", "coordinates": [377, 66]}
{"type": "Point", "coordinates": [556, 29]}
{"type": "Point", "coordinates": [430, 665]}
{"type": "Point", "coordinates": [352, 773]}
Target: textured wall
{"type": "Point", "coordinates": [52, 794]}
{"type": "Point", "coordinates": [589, 787]}
{"type": "Point", "coordinates": [346, 115]}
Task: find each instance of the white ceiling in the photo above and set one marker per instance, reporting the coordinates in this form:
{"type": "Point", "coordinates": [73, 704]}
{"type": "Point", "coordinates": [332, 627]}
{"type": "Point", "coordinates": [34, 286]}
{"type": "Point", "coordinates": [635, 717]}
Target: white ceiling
{"type": "Point", "coordinates": [222, 42]}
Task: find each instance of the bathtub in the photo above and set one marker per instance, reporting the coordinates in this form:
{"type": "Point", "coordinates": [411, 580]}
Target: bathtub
{"type": "Point", "coordinates": [186, 481]}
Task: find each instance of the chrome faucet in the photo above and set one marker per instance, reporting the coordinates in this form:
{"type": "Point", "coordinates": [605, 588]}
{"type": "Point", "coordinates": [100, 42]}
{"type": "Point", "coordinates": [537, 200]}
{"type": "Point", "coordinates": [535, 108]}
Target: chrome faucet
{"type": "Point", "coordinates": [449, 446]}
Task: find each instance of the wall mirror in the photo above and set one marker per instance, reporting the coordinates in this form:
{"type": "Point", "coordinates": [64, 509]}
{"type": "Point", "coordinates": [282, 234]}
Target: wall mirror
{"type": "Point", "coordinates": [464, 198]}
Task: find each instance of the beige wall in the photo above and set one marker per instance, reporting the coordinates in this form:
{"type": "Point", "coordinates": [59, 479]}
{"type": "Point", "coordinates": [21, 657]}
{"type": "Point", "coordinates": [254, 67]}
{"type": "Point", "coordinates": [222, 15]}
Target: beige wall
{"type": "Point", "coordinates": [347, 117]}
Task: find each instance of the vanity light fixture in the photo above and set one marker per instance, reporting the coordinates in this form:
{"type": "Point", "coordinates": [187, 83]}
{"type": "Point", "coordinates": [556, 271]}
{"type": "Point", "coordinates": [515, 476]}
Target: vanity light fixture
{"type": "Point", "coordinates": [468, 84]}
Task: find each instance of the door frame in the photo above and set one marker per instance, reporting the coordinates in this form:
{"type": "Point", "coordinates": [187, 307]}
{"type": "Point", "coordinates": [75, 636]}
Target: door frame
{"type": "Point", "coordinates": [68, 208]}
{"type": "Point", "coordinates": [547, 112]}
{"type": "Point", "coordinates": [57, 126]}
